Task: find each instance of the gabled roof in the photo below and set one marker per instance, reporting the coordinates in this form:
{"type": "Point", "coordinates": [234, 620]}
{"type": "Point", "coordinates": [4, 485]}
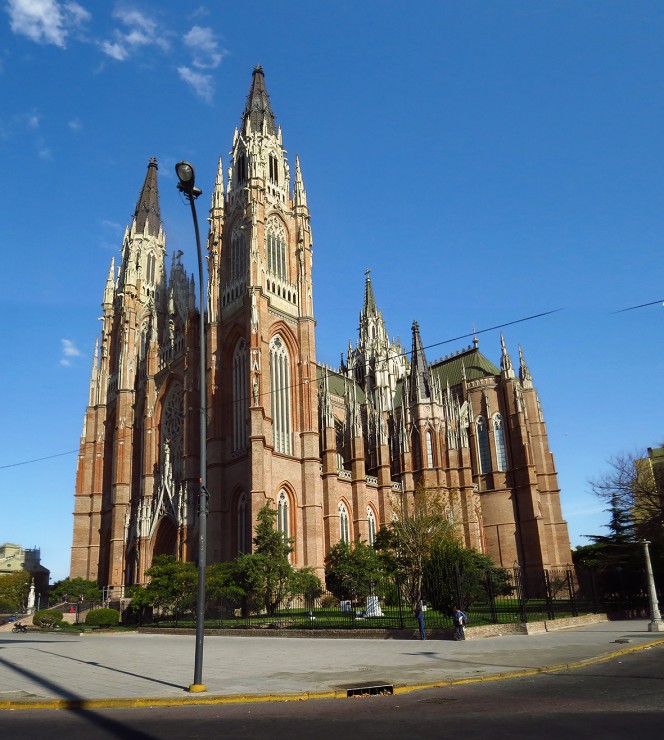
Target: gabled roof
{"type": "Point", "coordinates": [338, 382]}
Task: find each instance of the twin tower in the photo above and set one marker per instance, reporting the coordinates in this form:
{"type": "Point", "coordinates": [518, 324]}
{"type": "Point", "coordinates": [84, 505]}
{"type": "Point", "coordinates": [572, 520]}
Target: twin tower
{"type": "Point", "coordinates": [337, 452]}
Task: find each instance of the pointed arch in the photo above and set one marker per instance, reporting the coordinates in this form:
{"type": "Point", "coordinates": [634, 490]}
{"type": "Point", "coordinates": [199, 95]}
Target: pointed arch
{"type": "Point", "coordinates": [280, 386]}
{"type": "Point", "coordinates": [344, 523]}
{"type": "Point", "coordinates": [499, 439]}
{"type": "Point", "coordinates": [371, 522]}
{"type": "Point", "coordinates": [238, 253]}
{"type": "Point", "coordinates": [240, 395]}
{"type": "Point", "coordinates": [275, 238]}
{"type": "Point", "coordinates": [429, 444]}
{"type": "Point", "coordinates": [483, 450]}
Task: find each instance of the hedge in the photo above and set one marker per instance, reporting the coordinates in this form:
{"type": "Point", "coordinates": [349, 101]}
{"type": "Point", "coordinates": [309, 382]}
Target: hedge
{"type": "Point", "coordinates": [103, 617]}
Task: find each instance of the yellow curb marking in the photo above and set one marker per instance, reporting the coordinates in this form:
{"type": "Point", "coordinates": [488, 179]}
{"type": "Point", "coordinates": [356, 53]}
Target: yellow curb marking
{"type": "Point", "coordinates": [183, 701]}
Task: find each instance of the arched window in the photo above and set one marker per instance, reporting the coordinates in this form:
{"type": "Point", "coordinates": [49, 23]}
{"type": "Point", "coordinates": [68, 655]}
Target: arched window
{"type": "Point", "coordinates": [344, 524]}
{"type": "Point", "coordinates": [280, 386]}
{"type": "Point", "coordinates": [241, 168]}
{"type": "Point", "coordinates": [417, 449]}
{"type": "Point", "coordinates": [151, 269]}
{"type": "Point", "coordinates": [242, 524]}
{"type": "Point", "coordinates": [240, 396]}
{"type": "Point", "coordinates": [499, 437]}
{"type": "Point", "coordinates": [273, 169]}
{"type": "Point", "coordinates": [371, 519]}
{"type": "Point", "coordinates": [238, 254]}
{"type": "Point", "coordinates": [283, 514]}
{"type": "Point", "coordinates": [429, 450]}
{"type": "Point", "coordinates": [276, 248]}
{"type": "Point", "coordinates": [483, 445]}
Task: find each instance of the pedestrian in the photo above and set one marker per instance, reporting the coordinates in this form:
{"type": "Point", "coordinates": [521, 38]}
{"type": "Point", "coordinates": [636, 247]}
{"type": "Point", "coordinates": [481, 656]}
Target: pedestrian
{"type": "Point", "coordinates": [459, 619]}
{"type": "Point", "coordinates": [65, 598]}
{"type": "Point", "coordinates": [419, 613]}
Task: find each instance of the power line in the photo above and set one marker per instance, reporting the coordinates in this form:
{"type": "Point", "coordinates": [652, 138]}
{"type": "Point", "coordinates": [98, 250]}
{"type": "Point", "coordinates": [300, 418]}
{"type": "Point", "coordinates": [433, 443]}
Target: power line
{"type": "Point", "coordinates": [643, 305]}
{"type": "Point", "coordinates": [37, 459]}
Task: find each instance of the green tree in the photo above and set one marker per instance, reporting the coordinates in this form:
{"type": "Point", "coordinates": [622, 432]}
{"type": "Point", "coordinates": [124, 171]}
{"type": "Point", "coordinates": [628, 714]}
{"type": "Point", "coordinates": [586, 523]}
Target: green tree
{"type": "Point", "coordinates": [172, 585]}
{"type": "Point", "coordinates": [458, 576]}
{"type": "Point", "coordinates": [73, 588]}
{"type": "Point", "coordinates": [352, 570]}
{"type": "Point", "coordinates": [14, 588]}
{"type": "Point", "coordinates": [407, 543]}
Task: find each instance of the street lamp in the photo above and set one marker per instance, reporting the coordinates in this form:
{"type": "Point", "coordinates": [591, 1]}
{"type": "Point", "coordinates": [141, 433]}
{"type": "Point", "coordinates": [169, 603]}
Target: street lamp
{"type": "Point", "coordinates": [656, 624]}
{"type": "Point", "coordinates": [186, 185]}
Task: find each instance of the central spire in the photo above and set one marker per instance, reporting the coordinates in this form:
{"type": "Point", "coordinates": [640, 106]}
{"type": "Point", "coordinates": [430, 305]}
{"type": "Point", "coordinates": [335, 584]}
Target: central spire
{"type": "Point", "coordinates": [258, 109]}
{"type": "Point", "coordinates": [147, 207]}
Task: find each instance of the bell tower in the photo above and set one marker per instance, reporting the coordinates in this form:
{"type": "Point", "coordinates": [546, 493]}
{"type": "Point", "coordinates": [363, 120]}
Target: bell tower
{"type": "Point", "coordinates": [263, 425]}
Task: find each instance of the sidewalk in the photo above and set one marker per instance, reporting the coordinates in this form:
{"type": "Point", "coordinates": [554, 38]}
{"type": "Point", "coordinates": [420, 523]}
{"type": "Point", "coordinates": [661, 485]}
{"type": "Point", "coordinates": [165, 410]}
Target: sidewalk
{"type": "Point", "coordinates": [131, 669]}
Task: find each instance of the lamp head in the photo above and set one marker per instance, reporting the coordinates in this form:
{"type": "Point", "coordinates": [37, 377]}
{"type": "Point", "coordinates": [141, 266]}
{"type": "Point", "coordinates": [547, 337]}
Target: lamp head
{"type": "Point", "coordinates": [187, 178]}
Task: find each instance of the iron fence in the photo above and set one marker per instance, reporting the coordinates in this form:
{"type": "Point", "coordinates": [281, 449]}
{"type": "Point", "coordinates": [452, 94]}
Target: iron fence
{"type": "Point", "coordinates": [500, 596]}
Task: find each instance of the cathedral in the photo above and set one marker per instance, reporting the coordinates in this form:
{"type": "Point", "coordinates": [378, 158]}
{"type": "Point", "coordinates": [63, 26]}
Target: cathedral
{"type": "Point", "coordinates": [337, 451]}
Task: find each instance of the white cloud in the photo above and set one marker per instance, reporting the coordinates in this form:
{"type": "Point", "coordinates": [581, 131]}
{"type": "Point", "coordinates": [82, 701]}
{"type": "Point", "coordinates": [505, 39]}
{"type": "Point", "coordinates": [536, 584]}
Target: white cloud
{"type": "Point", "coordinates": [46, 21]}
{"type": "Point", "coordinates": [75, 124]}
{"type": "Point", "coordinates": [140, 31]}
{"type": "Point", "coordinates": [45, 153]}
{"type": "Point", "coordinates": [32, 121]}
{"type": "Point", "coordinates": [201, 83]}
{"type": "Point", "coordinates": [69, 349]}
{"type": "Point", "coordinates": [206, 51]}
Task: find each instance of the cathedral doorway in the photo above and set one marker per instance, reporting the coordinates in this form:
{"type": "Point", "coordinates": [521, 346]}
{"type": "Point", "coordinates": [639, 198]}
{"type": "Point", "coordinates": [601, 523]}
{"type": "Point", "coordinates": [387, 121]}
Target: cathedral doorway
{"type": "Point", "coordinates": [166, 539]}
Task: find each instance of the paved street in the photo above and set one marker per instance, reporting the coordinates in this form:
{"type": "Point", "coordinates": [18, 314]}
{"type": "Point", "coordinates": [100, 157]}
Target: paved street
{"type": "Point", "coordinates": [611, 699]}
{"type": "Point", "coordinates": [133, 666]}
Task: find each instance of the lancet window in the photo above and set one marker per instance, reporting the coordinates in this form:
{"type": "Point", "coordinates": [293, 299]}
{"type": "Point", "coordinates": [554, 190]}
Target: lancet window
{"type": "Point", "coordinates": [344, 523]}
{"type": "Point", "coordinates": [280, 387]}
{"type": "Point", "coordinates": [238, 254]}
{"type": "Point", "coordinates": [499, 437]}
{"type": "Point", "coordinates": [242, 524]}
{"type": "Point", "coordinates": [276, 249]}
{"type": "Point", "coordinates": [240, 396]}
{"type": "Point", "coordinates": [371, 520]}
{"type": "Point", "coordinates": [483, 450]}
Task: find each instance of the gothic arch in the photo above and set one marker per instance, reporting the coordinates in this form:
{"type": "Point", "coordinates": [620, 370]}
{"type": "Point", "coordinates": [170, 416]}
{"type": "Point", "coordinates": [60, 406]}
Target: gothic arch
{"type": "Point", "coordinates": [166, 538]}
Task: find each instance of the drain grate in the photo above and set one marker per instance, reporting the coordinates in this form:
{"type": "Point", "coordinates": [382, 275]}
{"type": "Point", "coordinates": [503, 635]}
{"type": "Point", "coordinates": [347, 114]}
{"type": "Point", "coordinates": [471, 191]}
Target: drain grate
{"type": "Point", "coordinates": [377, 689]}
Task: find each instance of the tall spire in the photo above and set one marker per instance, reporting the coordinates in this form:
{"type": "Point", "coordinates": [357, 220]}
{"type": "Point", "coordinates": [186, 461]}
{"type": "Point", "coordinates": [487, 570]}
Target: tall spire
{"type": "Point", "coordinates": [258, 111]}
{"type": "Point", "coordinates": [147, 209]}
{"type": "Point", "coordinates": [420, 373]}
{"type": "Point", "coordinates": [299, 192]}
{"type": "Point", "coordinates": [369, 299]}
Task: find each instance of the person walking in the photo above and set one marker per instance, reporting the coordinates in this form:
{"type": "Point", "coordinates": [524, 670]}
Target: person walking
{"type": "Point", "coordinates": [419, 613]}
{"type": "Point", "coordinates": [459, 619]}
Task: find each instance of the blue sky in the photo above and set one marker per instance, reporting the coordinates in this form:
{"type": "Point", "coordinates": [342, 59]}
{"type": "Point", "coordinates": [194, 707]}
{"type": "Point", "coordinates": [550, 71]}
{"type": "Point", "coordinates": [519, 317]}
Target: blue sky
{"type": "Point", "coordinates": [487, 160]}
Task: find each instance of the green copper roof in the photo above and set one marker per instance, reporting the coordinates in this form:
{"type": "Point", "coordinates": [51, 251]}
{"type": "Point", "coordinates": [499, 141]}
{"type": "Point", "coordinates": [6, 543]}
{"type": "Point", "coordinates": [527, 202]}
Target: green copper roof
{"type": "Point", "coordinates": [337, 383]}
{"type": "Point", "coordinates": [449, 370]}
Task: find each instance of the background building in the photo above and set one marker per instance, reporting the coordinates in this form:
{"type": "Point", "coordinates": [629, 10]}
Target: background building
{"type": "Point", "coordinates": [14, 559]}
{"type": "Point", "coordinates": [335, 450]}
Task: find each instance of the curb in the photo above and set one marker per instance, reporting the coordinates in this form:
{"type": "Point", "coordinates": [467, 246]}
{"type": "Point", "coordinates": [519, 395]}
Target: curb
{"type": "Point", "coordinates": [137, 702]}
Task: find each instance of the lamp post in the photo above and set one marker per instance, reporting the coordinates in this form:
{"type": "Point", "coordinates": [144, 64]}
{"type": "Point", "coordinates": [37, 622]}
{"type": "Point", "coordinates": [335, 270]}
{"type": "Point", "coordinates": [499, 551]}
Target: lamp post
{"type": "Point", "coordinates": [186, 185]}
{"type": "Point", "coordinates": [656, 624]}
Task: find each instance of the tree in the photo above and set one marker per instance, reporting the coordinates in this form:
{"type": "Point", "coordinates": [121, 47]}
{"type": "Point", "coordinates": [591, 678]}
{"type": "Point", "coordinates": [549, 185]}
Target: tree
{"type": "Point", "coordinates": [73, 587]}
{"type": "Point", "coordinates": [14, 588]}
{"type": "Point", "coordinates": [352, 570]}
{"type": "Point", "coordinates": [634, 485]}
{"type": "Point", "coordinates": [172, 585]}
{"type": "Point", "coordinates": [408, 542]}
{"type": "Point", "coordinates": [459, 576]}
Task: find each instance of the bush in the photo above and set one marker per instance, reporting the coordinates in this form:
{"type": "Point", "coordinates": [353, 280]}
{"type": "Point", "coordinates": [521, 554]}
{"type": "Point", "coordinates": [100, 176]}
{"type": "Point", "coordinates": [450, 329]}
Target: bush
{"type": "Point", "coordinates": [329, 601]}
{"type": "Point", "coordinates": [47, 618]}
{"type": "Point", "coordinates": [103, 617]}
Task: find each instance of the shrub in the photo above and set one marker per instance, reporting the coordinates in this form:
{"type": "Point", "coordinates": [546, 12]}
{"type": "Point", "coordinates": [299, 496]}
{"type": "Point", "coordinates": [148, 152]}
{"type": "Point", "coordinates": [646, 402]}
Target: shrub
{"type": "Point", "coordinates": [329, 601]}
{"type": "Point", "coordinates": [47, 618]}
{"type": "Point", "coordinates": [103, 617]}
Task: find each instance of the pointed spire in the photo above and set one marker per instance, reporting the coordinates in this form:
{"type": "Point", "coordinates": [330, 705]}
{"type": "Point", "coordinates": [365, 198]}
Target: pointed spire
{"type": "Point", "coordinates": [506, 369]}
{"type": "Point", "coordinates": [218, 192]}
{"type": "Point", "coordinates": [524, 373]}
{"type": "Point", "coordinates": [94, 376]}
{"type": "Point", "coordinates": [258, 111]}
{"type": "Point", "coordinates": [147, 216]}
{"type": "Point", "coordinates": [420, 373]}
{"type": "Point", "coordinates": [110, 283]}
{"type": "Point", "coordinates": [369, 298]}
{"type": "Point", "coordinates": [300, 193]}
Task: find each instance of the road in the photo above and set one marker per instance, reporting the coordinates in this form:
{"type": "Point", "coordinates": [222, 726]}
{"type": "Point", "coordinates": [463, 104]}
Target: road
{"type": "Point", "coordinates": [620, 698]}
